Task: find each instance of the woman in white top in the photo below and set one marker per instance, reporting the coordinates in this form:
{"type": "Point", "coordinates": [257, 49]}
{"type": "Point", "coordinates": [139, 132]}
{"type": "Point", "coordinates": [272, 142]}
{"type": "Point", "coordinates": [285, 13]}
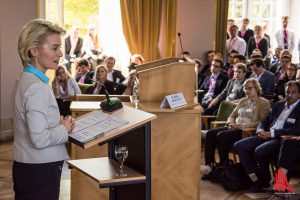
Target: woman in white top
{"type": "Point", "coordinates": [64, 87]}
{"type": "Point", "coordinates": [40, 133]}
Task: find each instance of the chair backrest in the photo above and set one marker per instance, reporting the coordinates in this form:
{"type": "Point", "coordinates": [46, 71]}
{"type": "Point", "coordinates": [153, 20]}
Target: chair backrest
{"type": "Point", "coordinates": [225, 109]}
{"type": "Point", "coordinates": [84, 87]}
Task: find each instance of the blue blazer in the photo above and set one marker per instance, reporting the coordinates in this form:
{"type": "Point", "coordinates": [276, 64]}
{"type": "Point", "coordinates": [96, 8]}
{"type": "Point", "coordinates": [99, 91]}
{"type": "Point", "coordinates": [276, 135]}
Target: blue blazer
{"type": "Point", "coordinates": [267, 82]}
{"type": "Point", "coordinates": [291, 125]}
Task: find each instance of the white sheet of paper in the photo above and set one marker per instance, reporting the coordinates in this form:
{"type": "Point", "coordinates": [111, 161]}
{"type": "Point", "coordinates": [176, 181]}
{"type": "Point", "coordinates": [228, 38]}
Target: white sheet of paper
{"type": "Point", "coordinates": [94, 125]}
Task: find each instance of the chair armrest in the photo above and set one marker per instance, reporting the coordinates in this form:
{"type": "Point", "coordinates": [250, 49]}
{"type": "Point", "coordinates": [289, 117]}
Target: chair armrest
{"type": "Point", "coordinates": [205, 120]}
{"type": "Point", "coordinates": [216, 124]}
{"type": "Point", "coordinates": [248, 131]}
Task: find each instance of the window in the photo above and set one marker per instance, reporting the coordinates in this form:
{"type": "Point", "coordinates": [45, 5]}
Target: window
{"type": "Point", "coordinates": [106, 15]}
{"type": "Point", "coordinates": [259, 12]}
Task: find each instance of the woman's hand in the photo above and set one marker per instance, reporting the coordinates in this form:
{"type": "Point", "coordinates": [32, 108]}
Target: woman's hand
{"type": "Point", "coordinates": [68, 122]}
{"type": "Point", "coordinates": [234, 125]}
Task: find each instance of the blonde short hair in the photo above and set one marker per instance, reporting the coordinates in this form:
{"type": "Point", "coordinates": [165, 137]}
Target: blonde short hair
{"type": "Point", "coordinates": [255, 84]}
{"type": "Point", "coordinates": [34, 34]}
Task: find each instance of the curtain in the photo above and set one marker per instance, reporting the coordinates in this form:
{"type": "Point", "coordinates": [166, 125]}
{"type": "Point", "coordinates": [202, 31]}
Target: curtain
{"type": "Point", "coordinates": [221, 25]}
{"type": "Point", "coordinates": [141, 20]}
{"type": "Point", "coordinates": [168, 32]}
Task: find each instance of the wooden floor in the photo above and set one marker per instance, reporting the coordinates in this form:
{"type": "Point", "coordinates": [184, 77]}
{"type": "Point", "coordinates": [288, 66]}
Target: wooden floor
{"type": "Point", "coordinates": [208, 191]}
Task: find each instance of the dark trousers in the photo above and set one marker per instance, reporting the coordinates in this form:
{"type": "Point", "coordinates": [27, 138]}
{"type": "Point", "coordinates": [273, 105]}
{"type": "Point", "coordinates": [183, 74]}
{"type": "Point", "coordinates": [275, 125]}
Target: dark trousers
{"type": "Point", "coordinates": [289, 153]}
{"type": "Point", "coordinates": [252, 150]}
{"type": "Point", "coordinates": [221, 138]}
{"type": "Point", "coordinates": [37, 181]}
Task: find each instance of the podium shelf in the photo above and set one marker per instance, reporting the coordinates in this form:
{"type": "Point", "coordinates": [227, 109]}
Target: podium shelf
{"type": "Point", "coordinates": [103, 171]}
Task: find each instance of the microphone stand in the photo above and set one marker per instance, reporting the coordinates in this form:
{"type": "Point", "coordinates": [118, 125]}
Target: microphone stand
{"type": "Point", "coordinates": [110, 104]}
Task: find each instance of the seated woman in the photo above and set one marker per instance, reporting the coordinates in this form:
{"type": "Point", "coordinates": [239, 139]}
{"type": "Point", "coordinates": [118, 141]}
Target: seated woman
{"type": "Point", "coordinates": [248, 113]}
{"type": "Point", "coordinates": [290, 75]}
{"type": "Point", "coordinates": [100, 79]}
{"type": "Point", "coordinates": [64, 86]}
{"type": "Point", "coordinates": [126, 87]}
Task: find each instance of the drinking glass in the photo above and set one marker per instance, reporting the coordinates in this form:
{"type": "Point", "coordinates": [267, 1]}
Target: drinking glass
{"type": "Point", "coordinates": [121, 153]}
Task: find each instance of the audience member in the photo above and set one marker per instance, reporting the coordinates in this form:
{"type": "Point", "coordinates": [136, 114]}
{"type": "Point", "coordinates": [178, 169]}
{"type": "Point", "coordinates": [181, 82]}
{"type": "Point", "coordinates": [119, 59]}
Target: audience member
{"type": "Point", "coordinates": [230, 22]}
{"type": "Point", "coordinates": [285, 37]}
{"type": "Point", "coordinates": [135, 59]}
{"type": "Point", "coordinates": [290, 75]}
{"type": "Point", "coordinates": [235, 42]}
{"type": "Point", "coordinates": [245, 32]}
{"type": "Point", "coordinates": [83, 74]}
{"type": "Point", "coordinates": [202, 74]}
{"type": "Point", "coordinates": [91, 44]}
{"type": "Point", "coordinates": [267, 36]}
{"type": "Point", "coordinates": [112, 74]}
{"type": "Point", "coordinates": [230, 65]}
{"type": "Point", "coordinates": [214, 84]}
{"type": "Point", "coordinates": [126, 87]}
{"type": "Point", "coordinates": [73, 47]}
{"type": "Point", "coordinates": [233, 90]}
{"type": "Point", "coordinates": [264, 77]}
{"type": "Point", "coordinates": [248, 113]}
{"type": "Point", "coordinates": [289, 153]}
{"type": "Point", "coordinates": [298, 75]}
{"type": "Point", "coordinates": [64, 86]}
{"type": "Point", "coordinates": [101, 83]}
{"type": "Point", "coordinates": [257, 42]}
{"type": "Point", "coordinates": [285, 60]}
{"type": "Point", "coordinates": [283, 120]}
{"type": "Point", "coordinates": [276, 60]}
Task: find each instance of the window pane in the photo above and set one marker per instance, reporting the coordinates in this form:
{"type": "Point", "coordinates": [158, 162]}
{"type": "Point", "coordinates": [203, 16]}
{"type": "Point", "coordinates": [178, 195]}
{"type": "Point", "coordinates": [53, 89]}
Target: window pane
{"type": "Point", "coordinates": [266, 10]}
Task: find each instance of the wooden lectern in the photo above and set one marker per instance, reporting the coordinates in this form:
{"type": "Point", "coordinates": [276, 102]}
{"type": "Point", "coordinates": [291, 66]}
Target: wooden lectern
{"type": "Point", "coordinates": [175, 134]}
{"type": "Point", "coordinates": [89, 176]}
{"type": "Point", "coordinates": [175, 138]}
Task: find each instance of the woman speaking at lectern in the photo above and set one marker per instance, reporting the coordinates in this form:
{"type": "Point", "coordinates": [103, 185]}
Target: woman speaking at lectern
{"type": "Point", "coordinates": [40, 132]}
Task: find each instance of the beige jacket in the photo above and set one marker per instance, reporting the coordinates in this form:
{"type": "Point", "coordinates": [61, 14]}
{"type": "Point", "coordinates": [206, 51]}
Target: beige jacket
{"type": "Point", "coordinates": [262, 108]}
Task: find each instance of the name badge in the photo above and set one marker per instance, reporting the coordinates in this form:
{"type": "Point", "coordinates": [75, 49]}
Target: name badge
{"type": "Point", "coordinates": [173, 101]}
{"type": "Point", "coordinates": [291, 120]}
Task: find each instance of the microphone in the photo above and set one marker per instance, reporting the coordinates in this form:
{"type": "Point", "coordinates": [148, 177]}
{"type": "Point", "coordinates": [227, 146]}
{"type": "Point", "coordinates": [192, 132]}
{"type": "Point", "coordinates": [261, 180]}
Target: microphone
{"type": "Point", "coordinates": [179, 35]}
{"type": "Point", "coordinates": [183, 58]}
{"type": "Point", "coordinates": [110, 104]}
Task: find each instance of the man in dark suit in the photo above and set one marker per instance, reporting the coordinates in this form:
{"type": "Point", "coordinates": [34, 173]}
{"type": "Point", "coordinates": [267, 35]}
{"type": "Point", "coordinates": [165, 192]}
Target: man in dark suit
{"type": "Point", "coordinates": [265, 78]}
{"type": "Point", "coordinates": [112, 74]}
{"type": "Point", "coordinates": [84, 76]}
{"type": "Point", "coordinates": [213, 85]}
{"type": "Point", "coordinates": [283, 120]}
{"type": "Point", "coordinates": [233, 90]}
{"type": "Point", "coordinates": [245, 32]}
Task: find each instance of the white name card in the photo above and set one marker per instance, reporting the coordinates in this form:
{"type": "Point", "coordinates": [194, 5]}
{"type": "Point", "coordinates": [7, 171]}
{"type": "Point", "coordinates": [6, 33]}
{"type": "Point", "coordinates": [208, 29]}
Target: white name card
{"type": "Point", "coordinates": [173, 101]}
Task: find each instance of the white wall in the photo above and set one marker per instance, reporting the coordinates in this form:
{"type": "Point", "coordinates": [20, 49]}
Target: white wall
{"type": "Point", "coordinates": [195, 22]}
{"type": "Point", "coordinates": [13, 15]}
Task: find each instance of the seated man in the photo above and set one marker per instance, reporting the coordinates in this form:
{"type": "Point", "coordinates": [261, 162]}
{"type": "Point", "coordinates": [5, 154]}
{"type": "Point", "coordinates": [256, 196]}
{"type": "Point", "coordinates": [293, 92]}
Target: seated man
{"type": "Point", "coordinates": [288, 155]}
{"type": "Point", "coordinates": [85, 76]}
{"type": "Point", "coordinates": [213, 85]}
{"type": "Point", "coordinates": [233, 91]}
{"type": "Point", "coordinates": [283, 120]}
{"type": "Point", "coordinates": [112, 74]}
{"type": "Point", "coordinates": [264, 77]}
